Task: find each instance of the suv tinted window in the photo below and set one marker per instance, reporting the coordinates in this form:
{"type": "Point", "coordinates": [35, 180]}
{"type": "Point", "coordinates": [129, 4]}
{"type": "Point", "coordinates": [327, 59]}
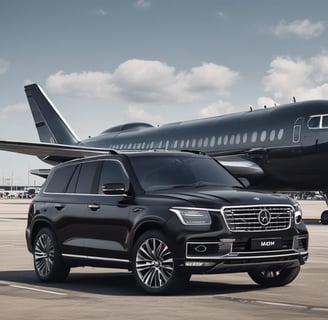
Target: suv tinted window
{"type": "Point", "coordinates": [171, 172]}
{"type": "Point", "coordinates": [72, 184]}
{"type": "Point", "coordinates": [59, 179]}
{"type": "Point", "coordinates": [113, 172]}
{"type": "Point", "coordinates": [86, 177]}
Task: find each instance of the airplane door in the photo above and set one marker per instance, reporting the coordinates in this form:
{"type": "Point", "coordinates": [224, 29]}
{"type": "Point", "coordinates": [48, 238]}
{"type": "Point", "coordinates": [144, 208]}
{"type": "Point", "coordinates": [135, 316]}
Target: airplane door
{"type": "Point", "coordinates": [298, 130]}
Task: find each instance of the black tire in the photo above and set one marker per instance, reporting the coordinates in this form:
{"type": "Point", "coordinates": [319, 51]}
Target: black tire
{"type": "Point", "coordinates": [324, 217]}
{"type": "Point", "coordinates": [269, 278]}
{"type": "Point", "coordinates": [153, 266]}
{"type": "Point", "coordinates": [48, 263]}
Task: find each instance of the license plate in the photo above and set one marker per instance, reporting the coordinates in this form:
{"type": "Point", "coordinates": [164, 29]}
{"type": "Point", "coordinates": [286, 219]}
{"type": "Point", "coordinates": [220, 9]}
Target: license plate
{"type": "Point", "coordinates": [266, 244]}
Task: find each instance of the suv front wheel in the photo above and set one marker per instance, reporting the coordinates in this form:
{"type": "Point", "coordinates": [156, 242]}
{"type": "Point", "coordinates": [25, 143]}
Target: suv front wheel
{"type": "Point", "coordinates": [270, 278]}
{"type": "Point", "coordinates": [153, 266]}
{"type": "Point", "coordinates": [48, 263]}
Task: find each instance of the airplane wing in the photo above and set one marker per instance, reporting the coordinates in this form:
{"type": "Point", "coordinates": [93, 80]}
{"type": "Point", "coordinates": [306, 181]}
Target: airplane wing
{"type": "Point", "coordinates": [51, 153]}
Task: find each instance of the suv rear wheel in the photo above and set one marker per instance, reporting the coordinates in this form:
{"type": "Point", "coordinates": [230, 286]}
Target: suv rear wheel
{"type": "Point", "coordinates": [48, 263]}
{"type": "Point", "coordinates": [270, 278]}
{"type": "Point", "coordinates": [153, 266]}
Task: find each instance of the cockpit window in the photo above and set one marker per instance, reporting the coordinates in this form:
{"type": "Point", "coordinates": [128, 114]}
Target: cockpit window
{"type": "Point", "coordinates": [325, 121]}
{"type": "Point", "coordinates": [319, 121]}
{"type": "Point", "coordinates": [314, 122]}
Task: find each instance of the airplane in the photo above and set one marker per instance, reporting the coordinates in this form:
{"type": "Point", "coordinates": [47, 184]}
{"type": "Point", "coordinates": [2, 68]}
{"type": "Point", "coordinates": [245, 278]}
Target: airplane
{"type": "Point", "coordinates": [282, 148]}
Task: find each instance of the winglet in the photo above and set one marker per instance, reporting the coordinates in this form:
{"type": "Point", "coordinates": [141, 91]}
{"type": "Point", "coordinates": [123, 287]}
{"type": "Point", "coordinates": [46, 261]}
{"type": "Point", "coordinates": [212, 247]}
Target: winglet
{"type": "Point", "coordinates": [50, 124]}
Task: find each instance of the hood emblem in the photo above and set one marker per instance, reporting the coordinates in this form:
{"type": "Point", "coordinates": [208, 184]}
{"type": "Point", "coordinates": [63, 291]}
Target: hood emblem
{"type": "Point", "coordinates": [256, 198]}
{"type": "Point", "coordinates": [264, 217]}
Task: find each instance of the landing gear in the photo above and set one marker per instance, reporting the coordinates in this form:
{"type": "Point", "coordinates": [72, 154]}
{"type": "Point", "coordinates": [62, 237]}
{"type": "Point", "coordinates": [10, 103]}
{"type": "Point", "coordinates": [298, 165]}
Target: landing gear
{"type": "Point", "coordinates": [324, 215]}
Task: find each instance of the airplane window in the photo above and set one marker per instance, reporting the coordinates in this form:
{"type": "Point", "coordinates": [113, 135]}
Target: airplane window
{"type": "Point", "coordinates": [254, 136]}
{"type": "Point", "coordinates": [325, 122]}
{"type": "Point", "coordinates": [219, 140]}
{"type": "Point", "coordinates": [205, 142]}
{"type": "Point", "coordinates": [232, 139]}
{"type": "Point", "coordinates": [314, 122]}
{"type": "Point", "coordinates": [193, 144]}
{"type": "Point", "coordinates": [187, 144]}
{"type": "Point", "coordinates": [212, 143]}
{"type": "Point", "coordinates": [245, 138]}
{"type": "Point", "coordinates": [225, 141]}
{"type": "Point", "coordinates": [200, 142]}
{"type": "Point", "coordinates": [263, 135]}
{"type": "Point", "coordinates": [272, 135]}
{"type": "Point", "coordinates": [238, 138]}
{"type": "Point", "coordinates": [280, 134]}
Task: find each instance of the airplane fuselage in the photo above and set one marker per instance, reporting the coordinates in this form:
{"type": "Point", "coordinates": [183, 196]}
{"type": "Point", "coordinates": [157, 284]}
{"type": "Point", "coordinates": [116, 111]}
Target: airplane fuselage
{"type": "Point", "coordinates": [279, 148]}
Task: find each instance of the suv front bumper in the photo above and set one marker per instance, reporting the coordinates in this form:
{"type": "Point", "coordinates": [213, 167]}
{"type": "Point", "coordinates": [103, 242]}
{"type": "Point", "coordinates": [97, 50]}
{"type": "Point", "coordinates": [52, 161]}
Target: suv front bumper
{"type": "Point", "coordinates": [223, 257]}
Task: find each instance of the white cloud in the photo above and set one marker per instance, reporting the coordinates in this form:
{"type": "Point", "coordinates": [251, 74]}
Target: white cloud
{"type": "Point", "coordinates": [304, 79]}
{"type": "Point", "coordinates": [143, 4]}
{"type": "Point", "coordinates": [14, 108]}
{"type": "Point", "coordinates": [135, 114]}
{"type": "Point", "coordinates": [147, 81]}
{"type": "Point", "coordinates": [87, 84]}
{"type": "Point", "coordinates": [302, 28]}
{"type": "Point", "coordinates": [216, 109]}
{"type": "Point", "coordinates": [101, 12]}
{"type": "Point", "coordinates": [4, 65]}
{"type": "Point", "coordinates": [265, 101]}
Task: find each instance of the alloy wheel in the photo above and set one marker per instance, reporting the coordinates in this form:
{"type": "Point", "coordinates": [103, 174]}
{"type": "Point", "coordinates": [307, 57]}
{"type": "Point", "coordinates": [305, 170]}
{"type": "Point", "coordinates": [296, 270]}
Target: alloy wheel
{"type": "Point", "coordinates": [154, 263]}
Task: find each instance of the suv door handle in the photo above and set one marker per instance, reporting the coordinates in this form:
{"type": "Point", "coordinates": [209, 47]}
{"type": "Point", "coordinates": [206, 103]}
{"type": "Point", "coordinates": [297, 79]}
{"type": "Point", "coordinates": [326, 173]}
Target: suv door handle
{"type": "Point", "coordinates": [93, 206]}
{"type": "Point", "coordinates": [59, 206]}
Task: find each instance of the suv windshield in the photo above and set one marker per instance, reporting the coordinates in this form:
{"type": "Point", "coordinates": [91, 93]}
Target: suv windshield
{"type": "Point", "coordinates": [157, 173]}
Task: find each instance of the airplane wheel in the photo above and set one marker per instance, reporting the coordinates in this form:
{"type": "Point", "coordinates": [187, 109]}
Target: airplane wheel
{"type": "Point", "coordinates": [324, 217]}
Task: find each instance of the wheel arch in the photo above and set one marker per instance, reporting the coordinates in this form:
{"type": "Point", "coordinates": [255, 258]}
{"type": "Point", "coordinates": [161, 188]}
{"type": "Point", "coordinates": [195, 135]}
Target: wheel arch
{"type": "Point", "coordinates": [37, 226]}
{"type": "Point", "coordinates": [144, 227]}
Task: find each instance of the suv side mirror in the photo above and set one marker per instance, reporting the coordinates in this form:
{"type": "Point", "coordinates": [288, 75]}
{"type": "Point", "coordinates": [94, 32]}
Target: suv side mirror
{"type": "Point", "coordinates": [114, 188]}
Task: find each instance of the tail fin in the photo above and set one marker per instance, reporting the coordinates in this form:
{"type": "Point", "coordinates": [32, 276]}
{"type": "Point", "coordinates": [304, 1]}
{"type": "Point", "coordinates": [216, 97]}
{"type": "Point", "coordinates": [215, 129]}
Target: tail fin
{"type": "Point", "coordinates": [50, 124]}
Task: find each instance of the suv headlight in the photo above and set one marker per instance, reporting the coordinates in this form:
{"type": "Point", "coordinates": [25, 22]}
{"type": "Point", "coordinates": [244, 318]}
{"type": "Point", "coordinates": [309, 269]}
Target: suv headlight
{"type": "Point", "coordinates": [297, 213]}
{"type": "Point", "coordinates": [193, 217]}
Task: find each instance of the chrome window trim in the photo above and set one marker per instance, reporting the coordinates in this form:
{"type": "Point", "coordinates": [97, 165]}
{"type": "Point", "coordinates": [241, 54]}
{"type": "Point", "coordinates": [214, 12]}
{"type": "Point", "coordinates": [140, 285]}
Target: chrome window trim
{"type": "Point", "coordinates": [89, 194]}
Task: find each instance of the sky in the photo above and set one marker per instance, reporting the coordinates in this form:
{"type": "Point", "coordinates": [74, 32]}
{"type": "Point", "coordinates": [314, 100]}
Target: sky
{"type": "Point", "coordinates": [108, 62]}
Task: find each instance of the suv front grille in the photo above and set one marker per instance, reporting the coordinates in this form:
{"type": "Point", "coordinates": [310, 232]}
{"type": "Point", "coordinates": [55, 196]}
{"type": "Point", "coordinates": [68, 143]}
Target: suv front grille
{"type": "Point", "coordinates": [258, 218]}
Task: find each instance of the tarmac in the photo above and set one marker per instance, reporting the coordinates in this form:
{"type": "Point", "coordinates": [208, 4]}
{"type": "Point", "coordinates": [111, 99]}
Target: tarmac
{"type": "Point", "coordinates": [95, 293]}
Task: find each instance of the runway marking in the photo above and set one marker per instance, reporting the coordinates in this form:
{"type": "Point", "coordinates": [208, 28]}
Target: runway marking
{"type": "Point", "coordinates": [272, 303]}
{"type": "Point", "coordinates": [33, 289]}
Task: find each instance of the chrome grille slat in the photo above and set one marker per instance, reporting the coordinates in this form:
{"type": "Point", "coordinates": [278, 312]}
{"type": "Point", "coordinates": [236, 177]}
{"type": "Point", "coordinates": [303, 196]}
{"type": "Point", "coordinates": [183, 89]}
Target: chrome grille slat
{"type": "Point", "coordinates": [247, 218]}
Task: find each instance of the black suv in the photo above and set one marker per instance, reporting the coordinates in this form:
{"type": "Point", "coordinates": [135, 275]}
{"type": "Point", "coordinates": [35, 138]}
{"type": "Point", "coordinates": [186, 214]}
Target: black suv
{"type": "Point", "coordinates": [165, 216]}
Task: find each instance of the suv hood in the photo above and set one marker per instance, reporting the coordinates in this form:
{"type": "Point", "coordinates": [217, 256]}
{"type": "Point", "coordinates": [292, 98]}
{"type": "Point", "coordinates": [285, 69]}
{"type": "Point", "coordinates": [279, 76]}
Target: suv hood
{"type": "Point", "coordinates": [214, 198]}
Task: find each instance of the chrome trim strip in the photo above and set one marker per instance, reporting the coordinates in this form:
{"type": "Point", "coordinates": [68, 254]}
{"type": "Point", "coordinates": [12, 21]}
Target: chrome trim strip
{"type": "Point", "coordinates": [264, 257]}
{"type": "Point", "coordinates": [214, 242]}
{"type": "Point", "coordinates": [94, 258]}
